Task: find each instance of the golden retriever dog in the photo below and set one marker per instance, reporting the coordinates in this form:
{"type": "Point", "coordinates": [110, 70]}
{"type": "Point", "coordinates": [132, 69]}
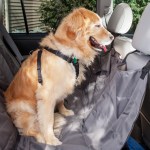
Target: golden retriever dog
{"type": "Point", "coordinates": [31, 104]}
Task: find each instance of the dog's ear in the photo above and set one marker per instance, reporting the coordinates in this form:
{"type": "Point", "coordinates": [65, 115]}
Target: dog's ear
{"type": "Point", "coordinates": [71, 34]}
{"type": "Point", "coordinates": [75, 24]}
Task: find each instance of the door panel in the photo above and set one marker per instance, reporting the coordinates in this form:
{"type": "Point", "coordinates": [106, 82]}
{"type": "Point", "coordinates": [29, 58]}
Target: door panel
{"type": "Point", "coordinates": [27, 42]}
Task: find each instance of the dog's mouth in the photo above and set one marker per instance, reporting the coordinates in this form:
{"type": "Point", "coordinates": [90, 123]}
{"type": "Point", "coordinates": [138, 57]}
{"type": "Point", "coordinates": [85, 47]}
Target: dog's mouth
{"type": "Point", "coordinates": [96, 45]}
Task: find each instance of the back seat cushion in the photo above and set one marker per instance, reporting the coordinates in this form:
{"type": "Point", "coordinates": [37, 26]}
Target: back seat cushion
{"type": "Point", "coordinates": [141, 42]}
{"type": "Point", "coordinates": [5, 74]}
{"type": "Point", "coordinates": [123, 46]}
{"type": "Point", "coordinates": [9, 66]}
{"type": "Point", "coordinates": [8, 132]}
{"type": "Point", "coordinates": [9, 58]}
{"type": "Point", "coordinates": [141, 38]}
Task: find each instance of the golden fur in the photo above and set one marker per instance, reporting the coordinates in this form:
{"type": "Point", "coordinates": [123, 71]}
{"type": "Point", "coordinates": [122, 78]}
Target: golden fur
{"type": "Point", "coordinates": [30, 104]}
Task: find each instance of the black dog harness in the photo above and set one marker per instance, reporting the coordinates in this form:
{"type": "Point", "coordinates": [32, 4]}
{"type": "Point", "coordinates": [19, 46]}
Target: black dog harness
{"type": "Point", "coordinates": [72, 60]}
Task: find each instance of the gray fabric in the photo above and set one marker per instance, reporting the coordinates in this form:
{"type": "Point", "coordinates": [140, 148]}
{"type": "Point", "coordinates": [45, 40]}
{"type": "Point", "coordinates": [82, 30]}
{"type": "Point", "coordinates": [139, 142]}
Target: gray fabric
{"type": "Point", "coordinates": [123, 46]}
{"type": "Point", "coordinates": [105, 111]}
{"type": "Point", "coordinates": [145, 116]}
{"type": "Point", "coordinates": [10, 60]}
{"type": "Point", "coordinates": [141, 38]}
{"type": "Point", "coordinates": [9, 66]}
{"type": "Point", "coordinates": [141, 41]}
{"type": "Point", "coordinates": [8, 132]}
{"type": "Point", "coordinates": [11, 43]}
{"type": "Point", "coordinates": [121, 19]}
{"type": "Point", "coordinates": [6, 75]}
{"type": "Point", "coordinates": [132, 60]}
{"type": "Point", "coordinates": [116, 111]}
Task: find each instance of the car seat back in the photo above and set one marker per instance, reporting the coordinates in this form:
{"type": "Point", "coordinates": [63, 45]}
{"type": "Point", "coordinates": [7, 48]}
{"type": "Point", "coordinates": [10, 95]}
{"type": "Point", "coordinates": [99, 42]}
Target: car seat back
{"type": "Point", "coordinates": [7, 55]}
{"type": "Point", "coordinates": [141, 42]}
{"type": "Point", "coordinates": [121, 19]}
{"type": "Point", "coordinates": [8, 68]}
{"type": "Point", "coordinates": [119, 24]}
{"type": "Point", "coordinates": [10, 44]}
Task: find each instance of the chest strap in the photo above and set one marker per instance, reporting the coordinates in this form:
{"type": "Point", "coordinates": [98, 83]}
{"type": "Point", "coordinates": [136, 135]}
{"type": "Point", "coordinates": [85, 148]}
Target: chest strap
{"type": "Point", "coordinates": [74, 61]}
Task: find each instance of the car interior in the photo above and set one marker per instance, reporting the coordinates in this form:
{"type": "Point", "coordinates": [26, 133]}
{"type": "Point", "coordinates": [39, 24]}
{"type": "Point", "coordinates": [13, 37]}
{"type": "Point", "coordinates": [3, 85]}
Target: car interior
{"type": "Point", "coordinates": [133, 48]}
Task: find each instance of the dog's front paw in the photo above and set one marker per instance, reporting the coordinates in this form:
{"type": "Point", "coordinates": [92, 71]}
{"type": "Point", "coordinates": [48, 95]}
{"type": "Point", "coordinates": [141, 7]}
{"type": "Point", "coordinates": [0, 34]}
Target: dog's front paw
{"type": "Point", "coordinates": [40, 139]}
{"type": "Point", "coordinates": [67, 113]}
{"type": "Point", "coordinates": [53, 141]}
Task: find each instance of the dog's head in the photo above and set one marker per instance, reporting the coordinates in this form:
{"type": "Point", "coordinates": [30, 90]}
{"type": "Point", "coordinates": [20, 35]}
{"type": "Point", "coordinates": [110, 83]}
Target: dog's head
{"type": "Point", "coordinates": [83, 29]}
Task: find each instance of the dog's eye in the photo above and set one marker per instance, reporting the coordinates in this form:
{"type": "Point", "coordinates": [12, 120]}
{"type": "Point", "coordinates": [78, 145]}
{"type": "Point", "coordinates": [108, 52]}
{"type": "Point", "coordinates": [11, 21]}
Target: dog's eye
{"type": "Point", "coordinates": [98, 25]}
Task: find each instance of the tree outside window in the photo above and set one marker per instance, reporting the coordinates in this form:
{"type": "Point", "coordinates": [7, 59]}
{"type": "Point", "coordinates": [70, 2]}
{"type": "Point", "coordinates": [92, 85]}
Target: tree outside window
{"type": "Point", "coordinates": [52, 11]}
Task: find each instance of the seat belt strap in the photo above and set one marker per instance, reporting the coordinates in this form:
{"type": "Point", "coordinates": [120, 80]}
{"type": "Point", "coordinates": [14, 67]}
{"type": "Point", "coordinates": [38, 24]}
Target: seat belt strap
{"type": "Point", "coordinates": [40, 79]}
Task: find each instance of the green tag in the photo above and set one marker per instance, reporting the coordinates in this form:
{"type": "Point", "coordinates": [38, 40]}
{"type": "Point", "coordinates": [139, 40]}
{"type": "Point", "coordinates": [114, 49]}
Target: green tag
{"type": "Point", "coordinates": [75, 60]}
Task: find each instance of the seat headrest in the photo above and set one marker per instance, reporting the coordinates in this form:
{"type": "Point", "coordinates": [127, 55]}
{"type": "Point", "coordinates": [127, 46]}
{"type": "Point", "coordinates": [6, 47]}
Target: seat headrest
{"type": "Point", "coordinates": [141, 38]}
{"type": "Point", "coordinates": [121, 19]}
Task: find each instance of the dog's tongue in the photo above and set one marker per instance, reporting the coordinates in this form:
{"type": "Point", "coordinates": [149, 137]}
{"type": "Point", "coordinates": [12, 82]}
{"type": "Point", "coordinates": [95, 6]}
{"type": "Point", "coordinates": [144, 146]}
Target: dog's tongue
{"type": "Point", "coordinates": [103, 47]}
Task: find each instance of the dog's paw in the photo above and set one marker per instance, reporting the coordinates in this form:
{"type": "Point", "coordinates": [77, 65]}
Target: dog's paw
{"type": "Point", "coordinates": [53, 141]}
{"type": "Point", "coordinates": [67, 113]}
{"type": "Point", "coordinates": [40, 139]}
{"type": "Point", "coordinates": [59, 122]}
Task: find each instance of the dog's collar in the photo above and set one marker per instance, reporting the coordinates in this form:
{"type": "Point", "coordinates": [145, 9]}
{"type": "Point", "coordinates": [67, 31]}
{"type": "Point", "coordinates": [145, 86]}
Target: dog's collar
{"type": "Point", "coordinates": [71, 59]}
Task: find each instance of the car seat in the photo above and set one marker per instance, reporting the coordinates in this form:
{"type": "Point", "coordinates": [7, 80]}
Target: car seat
{"type": "Point", "coordinates": [136, 60]}
{"type": "Point", "coordinates": [119, 24]}
{"type": "Point", "coordinates": [29, 143]}
{"type": "Point", "coordinates": [9, 66]}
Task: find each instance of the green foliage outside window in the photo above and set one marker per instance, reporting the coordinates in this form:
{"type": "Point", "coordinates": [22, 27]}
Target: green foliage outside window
{"type": "Point", "coordinates": [137, 7]}
{"type": "Point", "coordinates": [52, 11]}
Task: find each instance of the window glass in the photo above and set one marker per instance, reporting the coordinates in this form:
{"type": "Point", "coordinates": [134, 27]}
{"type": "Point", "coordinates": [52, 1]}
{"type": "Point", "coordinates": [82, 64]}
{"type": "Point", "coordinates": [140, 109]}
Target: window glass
{"type": "Point", "coordinates": [137, 7]}
{"type": "Point", "coordinates": [14, 18]}
{"type": "Point", "coordinates": [52, 11]}
{"type": "Point", "coordinates": [32, 16]}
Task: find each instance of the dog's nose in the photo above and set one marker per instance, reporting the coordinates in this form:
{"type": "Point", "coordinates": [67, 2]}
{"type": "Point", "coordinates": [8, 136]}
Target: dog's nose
{"type": "Point", "coordinates": [111, 37]}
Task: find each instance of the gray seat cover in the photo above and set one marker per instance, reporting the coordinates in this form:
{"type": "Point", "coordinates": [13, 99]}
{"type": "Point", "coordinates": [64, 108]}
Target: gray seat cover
{"type": "Point", "coordinates": [8, 57]}
{"type": "Point", "coordinates": [8, 67]}
{"type": "Point", "coordinates": [142, 57]}
{"type": "Point", "coordinates": [8, 133]}
{"type": "Point", "coordinates": [106, 110]}
{"type": "Point", "coordinates": [105, 106]}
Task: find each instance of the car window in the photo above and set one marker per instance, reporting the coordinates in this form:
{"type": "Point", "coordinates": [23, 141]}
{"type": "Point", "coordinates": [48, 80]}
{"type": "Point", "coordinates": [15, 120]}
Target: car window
{"type": "Point", "coordinates": [52, 12]}
{"type": "Point", "coordinates": [22, 16]}
{"type": "Point", "coordinates": [36, 16]}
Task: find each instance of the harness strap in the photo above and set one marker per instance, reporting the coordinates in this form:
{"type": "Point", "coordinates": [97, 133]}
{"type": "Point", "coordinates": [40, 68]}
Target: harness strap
{"type": "Point", "coordinates": [40, 79]}
{"type": "Point", "coordinates": [59, 54]}
{"type": "Point", "coordinates": [145, 70]}
{"type": "Point", "coordinates": [76, 66]}
{"type": "Point", "coordinates": [74, 61]}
